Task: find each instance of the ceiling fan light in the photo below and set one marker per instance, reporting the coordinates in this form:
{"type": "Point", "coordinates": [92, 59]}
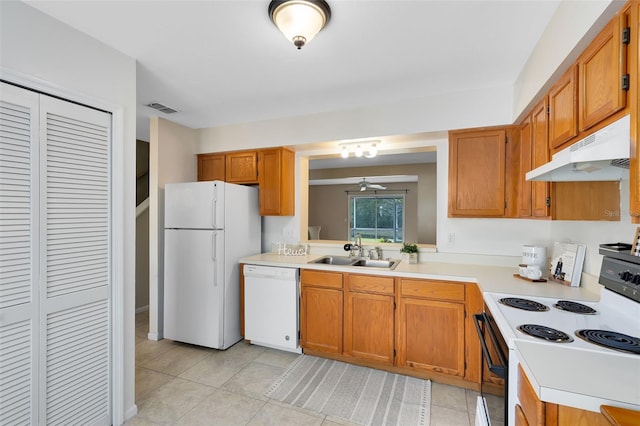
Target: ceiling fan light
{"type": "Point", "coordinates": [358, 151]}
{"type": "Point", "coordinates": [345, 152]}
{"type": "Point", "coordinates": [299, 20]}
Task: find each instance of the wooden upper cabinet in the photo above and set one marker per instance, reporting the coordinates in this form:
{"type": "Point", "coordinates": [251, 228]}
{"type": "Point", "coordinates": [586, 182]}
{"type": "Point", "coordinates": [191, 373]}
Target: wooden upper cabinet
{"type": "Point", "coordinates": [477, 181]}
{"type": "Point", "coordinates": [276, 169]}
{"type": "Point", "coordinates": [563, 109]}
{"type": "Point", "coordinates": [602, 66]}
{"type": "Point", "coordinates": [634, 103]}
{"type": "Point", "coordinates": [211, 167]}
{"type": "Point", "coordinates": [526, 164]}
{"type": "Point", "coordinates": [242, 167]}
{"type": "Point", "coordinates": [540, 191]}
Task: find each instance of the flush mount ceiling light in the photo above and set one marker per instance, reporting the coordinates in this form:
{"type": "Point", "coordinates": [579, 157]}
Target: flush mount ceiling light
{"type": "Point", "coordinates": [358, 148]}
{"type": "Point", "coordinates": [299, 20]}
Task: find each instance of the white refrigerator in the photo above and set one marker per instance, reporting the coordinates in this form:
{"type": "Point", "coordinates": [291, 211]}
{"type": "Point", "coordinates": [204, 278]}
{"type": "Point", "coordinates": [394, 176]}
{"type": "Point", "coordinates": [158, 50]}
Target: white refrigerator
{"type": "Point", "coordinates": [209, 226]}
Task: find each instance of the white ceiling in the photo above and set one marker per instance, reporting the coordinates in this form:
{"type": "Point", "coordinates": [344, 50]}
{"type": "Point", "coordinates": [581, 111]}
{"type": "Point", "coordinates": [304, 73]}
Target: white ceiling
{"type": "Point", "coordinates": [223, 62]}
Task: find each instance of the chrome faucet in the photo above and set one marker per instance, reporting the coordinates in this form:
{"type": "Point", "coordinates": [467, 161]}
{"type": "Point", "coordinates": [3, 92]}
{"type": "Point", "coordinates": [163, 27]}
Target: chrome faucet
{"type": "Point", "coordinates": [357, 243]}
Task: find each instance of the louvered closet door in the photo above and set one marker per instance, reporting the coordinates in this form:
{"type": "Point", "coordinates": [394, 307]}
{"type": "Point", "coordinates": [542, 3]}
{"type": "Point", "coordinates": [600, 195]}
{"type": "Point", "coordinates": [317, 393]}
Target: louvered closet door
{"type": "Point", "coordinates": [75, 264]}
{"type": "Point", "coordinates": [18, 256]}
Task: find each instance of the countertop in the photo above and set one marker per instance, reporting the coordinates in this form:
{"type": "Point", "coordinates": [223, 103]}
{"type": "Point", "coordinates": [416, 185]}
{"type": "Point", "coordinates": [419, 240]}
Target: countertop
{"type": "Point", "coordinates": [494, 279]}
{"type": "Point", "coordinates": [594, 378]}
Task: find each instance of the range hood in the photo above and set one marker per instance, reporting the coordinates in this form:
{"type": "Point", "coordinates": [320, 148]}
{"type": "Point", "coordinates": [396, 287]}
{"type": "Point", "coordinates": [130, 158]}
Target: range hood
{"type": "Point", "coordinates": [603, 155]}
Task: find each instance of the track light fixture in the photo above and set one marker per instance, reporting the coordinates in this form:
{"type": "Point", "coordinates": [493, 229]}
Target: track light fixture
{"type": "Point", "coordinates": [358, 148]}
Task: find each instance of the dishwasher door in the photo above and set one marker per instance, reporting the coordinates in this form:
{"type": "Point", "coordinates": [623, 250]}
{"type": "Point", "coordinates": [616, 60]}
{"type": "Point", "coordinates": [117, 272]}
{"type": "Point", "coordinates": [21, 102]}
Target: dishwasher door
{"type": "Point", "coordinates": [271, 306]}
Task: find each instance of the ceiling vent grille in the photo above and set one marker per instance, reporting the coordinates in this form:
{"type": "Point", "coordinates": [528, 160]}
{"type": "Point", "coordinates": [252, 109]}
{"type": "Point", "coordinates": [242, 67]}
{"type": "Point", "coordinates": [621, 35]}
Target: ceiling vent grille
{"type": "Point", "coordinates": [162, 108]}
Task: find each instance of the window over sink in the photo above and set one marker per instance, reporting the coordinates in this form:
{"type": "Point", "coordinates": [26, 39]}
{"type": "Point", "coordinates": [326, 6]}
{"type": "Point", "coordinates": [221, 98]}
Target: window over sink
{"type": "Point", "coordinates": [378, 218]}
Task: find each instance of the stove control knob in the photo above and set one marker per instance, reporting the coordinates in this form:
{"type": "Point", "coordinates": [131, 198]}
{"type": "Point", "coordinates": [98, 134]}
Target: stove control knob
{"type": "Point", "coordinates": [625, 276]}
{"type": "Point", "coordinates": [636, 279]}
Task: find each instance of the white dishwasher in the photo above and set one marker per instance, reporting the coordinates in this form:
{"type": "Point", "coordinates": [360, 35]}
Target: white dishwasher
{"type": "Point", "coordinates": [271, 306]}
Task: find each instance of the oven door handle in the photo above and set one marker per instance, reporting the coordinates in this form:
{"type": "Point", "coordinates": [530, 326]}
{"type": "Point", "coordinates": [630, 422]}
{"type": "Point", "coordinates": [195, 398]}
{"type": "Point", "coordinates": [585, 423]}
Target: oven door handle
{"type": "Point", "coordinates": [498, 369]}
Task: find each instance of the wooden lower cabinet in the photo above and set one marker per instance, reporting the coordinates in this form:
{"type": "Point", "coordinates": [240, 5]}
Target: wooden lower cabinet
{"type": "Point", "coordinates": [431, 326]}
{"type": "Point", "coordinates": [369, 305]}
{"type": "Point", "coordinates": [521, 419]}
{"type": "Point", "coordinates": [321, 308]}
{"type": "Point", "coordinates": [532, 411]}
{"type": "Point", "coordinates": [410, 326]}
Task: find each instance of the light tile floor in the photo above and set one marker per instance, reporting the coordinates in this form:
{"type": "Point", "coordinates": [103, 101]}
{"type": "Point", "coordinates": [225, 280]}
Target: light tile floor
{"type": "Point", "coordinates": [179, 384]}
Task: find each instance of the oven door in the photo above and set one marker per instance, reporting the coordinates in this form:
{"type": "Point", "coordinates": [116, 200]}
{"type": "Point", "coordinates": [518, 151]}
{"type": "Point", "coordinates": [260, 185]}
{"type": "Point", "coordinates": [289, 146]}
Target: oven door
{"type": "Point", "coordinates": [495, 364]}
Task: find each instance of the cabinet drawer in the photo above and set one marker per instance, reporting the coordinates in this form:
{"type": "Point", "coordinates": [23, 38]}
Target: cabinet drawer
{"type": "Point", "coordinates": [370, 284]}
{"type": "Point", "coordinates": [310, 277]}
{"type": "Point", "coordinates": [432, 289]}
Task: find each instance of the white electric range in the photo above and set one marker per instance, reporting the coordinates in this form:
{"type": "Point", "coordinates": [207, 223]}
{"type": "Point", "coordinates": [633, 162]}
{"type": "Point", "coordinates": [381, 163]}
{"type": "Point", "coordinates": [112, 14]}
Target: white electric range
{"type": "Point", "coordinates": [614, 319]}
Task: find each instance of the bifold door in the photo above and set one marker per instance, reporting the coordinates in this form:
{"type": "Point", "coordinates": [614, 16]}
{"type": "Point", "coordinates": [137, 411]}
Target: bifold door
{"type": "Point", "coordinates": [55, 258]}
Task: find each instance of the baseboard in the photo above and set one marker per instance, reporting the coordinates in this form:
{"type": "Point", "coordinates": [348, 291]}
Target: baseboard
{"type": "Point", "coordinates": [131, 412]}
{"type": "Point", "coordinates": [154, 336]}
{"type": "Point", "coordinates": [142, 309]}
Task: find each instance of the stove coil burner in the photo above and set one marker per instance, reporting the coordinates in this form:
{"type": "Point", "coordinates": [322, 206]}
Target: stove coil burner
{"type": "Point", "coordinates": [574, 307]}
{"type": "Point", "coordinates": [546, 333]}
{"type": "Point", "coordinates": [524, 304]}
{"type": "Point", "coordinates": [611, 339]}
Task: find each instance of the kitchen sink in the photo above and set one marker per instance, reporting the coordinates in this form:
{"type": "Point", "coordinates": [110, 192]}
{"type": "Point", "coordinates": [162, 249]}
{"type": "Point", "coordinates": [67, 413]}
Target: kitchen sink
{"type": "Point", "coordinates": [370, 263]}
{"type": "Point", "coordinates": [348, 261]}
{"type": "Point", "coordinates": [335, 260]}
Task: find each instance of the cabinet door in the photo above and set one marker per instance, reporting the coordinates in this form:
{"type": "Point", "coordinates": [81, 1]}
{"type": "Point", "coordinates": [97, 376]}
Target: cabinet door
{"type": "Point", "coordinates": [277, 183]}
{"type": "Point", "coordinates": [563, 109]}
{"type": "Point", "coordinates": [539, 156]}
{"type": "Point", "coordinates": [368, 327]}
{"type": "Point", "coordinates": [477, 180]}
{"type": "Point", "coordinates": [634, 102]}
{"type": "Point", "coordinates": [369, 318]}
{"type": "Point", "coordinates": [601, 68]}
{"type": "Point", "coordinates": [526, 164]}
{"type": "Point", "coordinates": [211, 167]}
{"type": "Point", "coordinates": [321, 319]}
{"type": "Point", "coordinates": [431, 336]}
{"type": "Point", "coordinates": [242, 167]}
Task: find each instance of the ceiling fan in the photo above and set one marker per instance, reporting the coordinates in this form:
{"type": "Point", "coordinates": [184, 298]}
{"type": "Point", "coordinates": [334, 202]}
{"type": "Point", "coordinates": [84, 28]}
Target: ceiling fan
{"type": "Point", "coordinates": [364, 185]}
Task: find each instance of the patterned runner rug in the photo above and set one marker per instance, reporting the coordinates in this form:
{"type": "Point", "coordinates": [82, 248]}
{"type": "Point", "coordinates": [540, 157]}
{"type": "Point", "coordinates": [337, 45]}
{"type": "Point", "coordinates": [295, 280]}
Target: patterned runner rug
{"type": "Point", "coordinates": [358, 394]}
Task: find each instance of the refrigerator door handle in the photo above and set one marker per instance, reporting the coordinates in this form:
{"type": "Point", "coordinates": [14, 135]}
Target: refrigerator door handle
{"type": "Point", "coordinates": [214, 255]}
{"type": "Point", "coordinates": [214, 209]}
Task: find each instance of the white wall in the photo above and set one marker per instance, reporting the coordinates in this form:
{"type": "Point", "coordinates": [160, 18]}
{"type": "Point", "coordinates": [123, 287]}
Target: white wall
{"type": "Point", "coordinates": [43, 53]}
{"type": "Point", "coordinates": [572, 27]}
{"type": "Point", "coordinates": [171, 159]}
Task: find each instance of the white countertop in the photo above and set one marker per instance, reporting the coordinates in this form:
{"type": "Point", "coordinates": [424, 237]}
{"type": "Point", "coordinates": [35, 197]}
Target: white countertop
{"type": "Point", "coordinates": [494, 279]}
{"type": "Point", "coordinates": [585, 380]}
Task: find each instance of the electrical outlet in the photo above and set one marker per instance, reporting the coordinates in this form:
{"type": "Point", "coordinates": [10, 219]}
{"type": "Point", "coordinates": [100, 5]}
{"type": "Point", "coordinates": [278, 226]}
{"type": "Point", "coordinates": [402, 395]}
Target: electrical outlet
{"type": "Point", "coordinates": [451, 238]}
{"type": "Point", "coordinates": [287, 232]}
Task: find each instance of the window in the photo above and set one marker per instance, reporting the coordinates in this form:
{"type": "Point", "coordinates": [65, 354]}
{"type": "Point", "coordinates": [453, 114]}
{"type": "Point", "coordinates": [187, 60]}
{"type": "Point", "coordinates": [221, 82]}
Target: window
{"type": "Point", "coordinates": [378, 218]}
